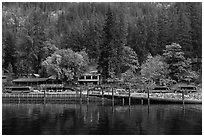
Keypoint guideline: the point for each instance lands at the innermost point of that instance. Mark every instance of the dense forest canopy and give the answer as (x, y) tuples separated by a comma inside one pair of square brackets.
[(34, 31)]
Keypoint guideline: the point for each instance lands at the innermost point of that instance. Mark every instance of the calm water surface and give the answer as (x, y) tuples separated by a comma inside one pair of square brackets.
[(96, 119)]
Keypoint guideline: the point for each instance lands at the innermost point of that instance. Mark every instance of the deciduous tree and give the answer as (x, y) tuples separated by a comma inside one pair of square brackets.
[(154, 68), (66, 64)]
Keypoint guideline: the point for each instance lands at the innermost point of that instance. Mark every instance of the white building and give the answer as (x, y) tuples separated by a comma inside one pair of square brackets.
[(91, 77)]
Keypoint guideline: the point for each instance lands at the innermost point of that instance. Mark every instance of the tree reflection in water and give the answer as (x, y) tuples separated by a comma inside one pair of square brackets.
[(100, 119)]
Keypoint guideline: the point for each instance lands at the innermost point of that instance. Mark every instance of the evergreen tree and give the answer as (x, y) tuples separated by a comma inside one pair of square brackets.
[(184, 29), (195, 15), (130, 60), (141, 40), (177, 63), (106, 48), (93, 37), (119, 41), (114, 40), (31, 41), (9, 51), (163, 23)]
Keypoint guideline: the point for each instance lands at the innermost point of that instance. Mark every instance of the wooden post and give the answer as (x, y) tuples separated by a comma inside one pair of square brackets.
[(112, 95), (18, 99), (75, 95), (183, 100), (113, 106), (123, 101), (148, 109), (142, 101), (102, 95), (148, 99), (44, 97), (80, 96), (129, 96), (87, 95), (129, 110)]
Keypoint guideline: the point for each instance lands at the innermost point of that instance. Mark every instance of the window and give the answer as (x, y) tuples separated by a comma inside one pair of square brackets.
[(161, 88), (88, 77), (95, 77), (82, 77), (188, 88), (20, 89)]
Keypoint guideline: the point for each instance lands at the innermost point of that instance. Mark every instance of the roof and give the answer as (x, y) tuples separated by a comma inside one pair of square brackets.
[(53, 77), (36, 75), (5, 70), (30, 79), (187, 86), (161, 86), (4, 76), (29, 75), (90, 74), (18, 87), (92, 70)]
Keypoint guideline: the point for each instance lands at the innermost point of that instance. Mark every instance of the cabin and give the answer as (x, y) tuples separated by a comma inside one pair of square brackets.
[(7, 77), (5, 74), (90, 77)]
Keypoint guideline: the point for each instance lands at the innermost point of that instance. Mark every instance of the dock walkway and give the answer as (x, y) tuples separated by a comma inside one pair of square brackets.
[(116, 99)]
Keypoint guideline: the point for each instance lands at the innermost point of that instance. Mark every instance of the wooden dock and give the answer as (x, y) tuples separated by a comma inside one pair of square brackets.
[(61, 98), (125, 99), (116, 99)]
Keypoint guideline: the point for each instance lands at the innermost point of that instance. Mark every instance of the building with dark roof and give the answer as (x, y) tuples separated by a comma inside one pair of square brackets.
[(90, 77), (5, 74), (34, 82)]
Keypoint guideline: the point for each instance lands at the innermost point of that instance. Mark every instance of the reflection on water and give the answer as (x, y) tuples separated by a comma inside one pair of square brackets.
[(94, 119)]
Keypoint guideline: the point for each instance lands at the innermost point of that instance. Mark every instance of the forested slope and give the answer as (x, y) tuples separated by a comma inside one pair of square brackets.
[(33, 31)]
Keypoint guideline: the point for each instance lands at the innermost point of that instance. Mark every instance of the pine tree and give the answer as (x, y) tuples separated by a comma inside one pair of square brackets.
[(114, 40), (31, 41), (106, 49), (177, 63), (195, 15), (184, 30), (163, 23), (9, 51), (119, 40)]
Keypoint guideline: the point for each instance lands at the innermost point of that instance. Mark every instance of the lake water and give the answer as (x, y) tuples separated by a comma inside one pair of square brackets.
[(72, 119)]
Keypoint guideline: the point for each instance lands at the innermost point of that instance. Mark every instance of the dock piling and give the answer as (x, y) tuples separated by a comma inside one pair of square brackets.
[(19, 99), (142, 101), (87, 95), (148, 99), (183, 97), (129, 97), (112, 95), (123, 101), (102, 95), (80, 96), (44, 97)]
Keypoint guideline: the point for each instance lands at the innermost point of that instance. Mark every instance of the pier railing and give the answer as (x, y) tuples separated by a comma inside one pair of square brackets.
[(7, 97)]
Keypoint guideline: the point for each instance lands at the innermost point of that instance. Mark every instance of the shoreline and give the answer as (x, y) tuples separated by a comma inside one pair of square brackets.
[(135, 98)]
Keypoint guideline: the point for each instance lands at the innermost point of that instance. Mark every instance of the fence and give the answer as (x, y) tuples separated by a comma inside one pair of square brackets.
[(51, 97)]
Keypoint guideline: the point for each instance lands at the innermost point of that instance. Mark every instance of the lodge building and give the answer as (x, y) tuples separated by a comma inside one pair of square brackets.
[(89, 78), (34, 82)]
